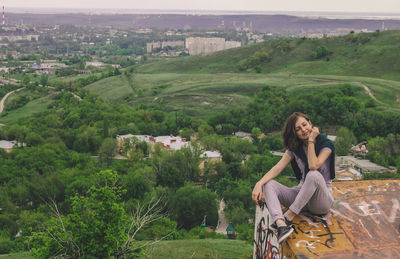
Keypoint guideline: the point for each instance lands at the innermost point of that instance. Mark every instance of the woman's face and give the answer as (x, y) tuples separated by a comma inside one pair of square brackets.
[(303, 128)]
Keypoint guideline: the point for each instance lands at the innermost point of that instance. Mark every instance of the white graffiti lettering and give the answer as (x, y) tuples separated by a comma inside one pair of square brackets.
[(310, 233), (306, 244)]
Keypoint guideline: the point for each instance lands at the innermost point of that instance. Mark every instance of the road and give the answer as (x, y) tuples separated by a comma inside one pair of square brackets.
[(5, 97)]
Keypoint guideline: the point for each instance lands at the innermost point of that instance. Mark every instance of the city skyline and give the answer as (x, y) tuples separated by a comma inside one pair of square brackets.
[(353, 6)]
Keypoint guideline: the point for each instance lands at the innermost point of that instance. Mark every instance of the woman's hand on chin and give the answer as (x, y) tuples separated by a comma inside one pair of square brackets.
[(314, 134)]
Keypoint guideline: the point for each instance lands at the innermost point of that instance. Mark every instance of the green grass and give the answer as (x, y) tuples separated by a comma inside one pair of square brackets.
[(202, 94), (35, 106), (364, 54), (24, 255), (201, 249), (112, 88), (183, 249)]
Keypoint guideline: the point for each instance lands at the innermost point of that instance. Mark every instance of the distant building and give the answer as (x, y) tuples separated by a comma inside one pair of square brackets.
[(151, 46), (210, 156), (360, 148), (19, 37), (167, 142), (5, 69), (121, 139), (47, 67), (94, 64), (144, 31), (7, 145), (200, 45), (171, 142), (362, 165), (244, 135)]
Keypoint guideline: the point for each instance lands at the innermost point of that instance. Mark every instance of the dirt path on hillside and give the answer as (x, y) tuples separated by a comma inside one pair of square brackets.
[(222, 223), (369, 92), (5, 97)]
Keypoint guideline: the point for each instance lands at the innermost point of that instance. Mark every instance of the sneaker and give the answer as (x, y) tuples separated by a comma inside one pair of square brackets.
[(284, 232), (288, 223)]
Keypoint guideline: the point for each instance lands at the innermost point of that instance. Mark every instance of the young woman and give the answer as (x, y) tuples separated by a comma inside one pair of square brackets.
[(312, 158)]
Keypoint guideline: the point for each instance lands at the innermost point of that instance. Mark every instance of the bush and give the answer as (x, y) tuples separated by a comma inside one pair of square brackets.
[(6, 245), (376, 175), (254, 60), (245, 232), (319, 52), (345, 139), (163, 228)]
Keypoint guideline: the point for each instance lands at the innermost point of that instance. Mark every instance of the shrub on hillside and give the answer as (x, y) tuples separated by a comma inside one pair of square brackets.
[(320, 52), (254, 60)]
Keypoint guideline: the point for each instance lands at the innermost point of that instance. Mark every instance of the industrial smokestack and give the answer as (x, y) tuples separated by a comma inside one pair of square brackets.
[(4, 17)]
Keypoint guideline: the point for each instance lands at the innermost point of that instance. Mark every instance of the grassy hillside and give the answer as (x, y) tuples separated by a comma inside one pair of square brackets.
[(364, 54), (201, 85), (35, 106), (201, 94)]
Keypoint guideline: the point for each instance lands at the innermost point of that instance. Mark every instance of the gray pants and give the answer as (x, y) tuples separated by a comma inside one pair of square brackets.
[(313, 195)]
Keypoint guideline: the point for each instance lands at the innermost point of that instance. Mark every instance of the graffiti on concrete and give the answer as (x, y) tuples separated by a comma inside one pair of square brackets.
[(312, 232), (363, 223), (370, 209), (263, 242), (265, 239)]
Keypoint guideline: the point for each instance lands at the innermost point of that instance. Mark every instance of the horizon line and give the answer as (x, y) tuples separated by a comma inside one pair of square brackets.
[(80, 9)]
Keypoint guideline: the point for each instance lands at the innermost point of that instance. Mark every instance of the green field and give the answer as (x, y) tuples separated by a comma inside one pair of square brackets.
[(35, 106), (201, 248), (182, 249), (202, 94), (113, 88), (25, 255)]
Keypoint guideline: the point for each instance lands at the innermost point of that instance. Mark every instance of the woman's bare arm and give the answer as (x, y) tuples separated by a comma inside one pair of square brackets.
[(271, 174)]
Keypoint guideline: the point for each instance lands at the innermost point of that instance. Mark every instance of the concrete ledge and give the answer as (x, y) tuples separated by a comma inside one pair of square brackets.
[(363, 223)]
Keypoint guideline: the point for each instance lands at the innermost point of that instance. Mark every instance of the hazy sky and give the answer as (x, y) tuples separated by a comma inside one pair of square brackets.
[(392, 6)]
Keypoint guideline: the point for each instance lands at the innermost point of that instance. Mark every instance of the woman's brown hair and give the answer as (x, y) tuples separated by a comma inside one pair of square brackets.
[(290, 139)]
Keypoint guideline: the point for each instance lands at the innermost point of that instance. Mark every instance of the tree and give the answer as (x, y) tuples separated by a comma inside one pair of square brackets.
[(191, 204), (44, 79), (94, 229), (344, 140), (108, 150), (97, 227)]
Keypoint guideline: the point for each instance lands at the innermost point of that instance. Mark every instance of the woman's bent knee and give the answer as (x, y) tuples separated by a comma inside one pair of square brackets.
[(314, 176), (270, 185)]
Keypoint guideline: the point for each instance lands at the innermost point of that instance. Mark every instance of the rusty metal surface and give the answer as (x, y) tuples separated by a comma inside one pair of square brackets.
[(363, 223)]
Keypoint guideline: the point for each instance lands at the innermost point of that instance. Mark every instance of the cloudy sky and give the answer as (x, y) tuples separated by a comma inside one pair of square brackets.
[(391, 6)]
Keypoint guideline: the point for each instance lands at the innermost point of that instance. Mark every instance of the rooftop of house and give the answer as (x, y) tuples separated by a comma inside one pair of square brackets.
[(170, 142), (5, 144), (362, 163), (211, 154)]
